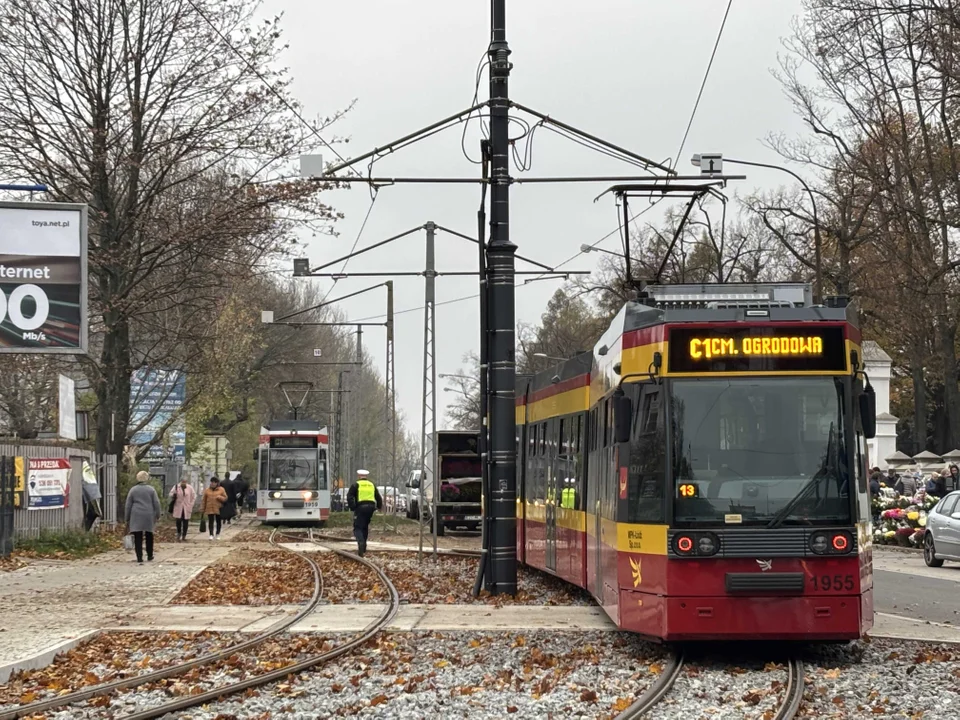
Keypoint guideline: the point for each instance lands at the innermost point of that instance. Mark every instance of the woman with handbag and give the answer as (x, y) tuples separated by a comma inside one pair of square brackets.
[(182, 498), (141, 514), (213, 499)]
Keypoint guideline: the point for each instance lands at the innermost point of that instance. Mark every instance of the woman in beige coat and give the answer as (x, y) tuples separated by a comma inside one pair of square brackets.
[(213, 499)]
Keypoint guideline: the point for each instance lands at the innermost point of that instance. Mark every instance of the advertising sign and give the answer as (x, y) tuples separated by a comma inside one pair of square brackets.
[(67, 409), (48, 483), (156, 396), (43, 277)]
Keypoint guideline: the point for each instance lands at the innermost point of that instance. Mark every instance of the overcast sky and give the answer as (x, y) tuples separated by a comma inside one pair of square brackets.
[(625, 70)]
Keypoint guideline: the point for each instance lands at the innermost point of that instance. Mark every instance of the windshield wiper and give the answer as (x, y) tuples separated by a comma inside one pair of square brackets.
[(814, 482)]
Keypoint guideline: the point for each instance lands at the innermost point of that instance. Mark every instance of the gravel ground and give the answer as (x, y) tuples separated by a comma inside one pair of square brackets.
[(450, 580), (461, 675), (746, 688), (883, 680), (108, 657), (409, 676)]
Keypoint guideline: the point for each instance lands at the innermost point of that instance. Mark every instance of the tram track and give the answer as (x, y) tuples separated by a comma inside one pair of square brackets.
[(370, 631), (51, 704), (661, 687)]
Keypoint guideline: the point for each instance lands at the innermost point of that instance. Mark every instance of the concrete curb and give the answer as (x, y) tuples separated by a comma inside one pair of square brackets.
[(45, 656), (898, 549)]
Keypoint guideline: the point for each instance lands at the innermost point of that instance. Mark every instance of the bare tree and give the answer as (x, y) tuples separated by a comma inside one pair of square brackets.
[(172, 121), (882, 109), (463, 412)]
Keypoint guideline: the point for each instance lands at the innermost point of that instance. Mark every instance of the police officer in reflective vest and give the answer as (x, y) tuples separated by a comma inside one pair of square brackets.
[(568, 495), (363, 499)]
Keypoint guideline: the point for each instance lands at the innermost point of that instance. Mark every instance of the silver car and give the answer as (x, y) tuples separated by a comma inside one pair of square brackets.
[(941, 541)]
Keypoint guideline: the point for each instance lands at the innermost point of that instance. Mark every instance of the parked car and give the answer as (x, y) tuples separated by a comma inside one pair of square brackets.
[(941, 541)]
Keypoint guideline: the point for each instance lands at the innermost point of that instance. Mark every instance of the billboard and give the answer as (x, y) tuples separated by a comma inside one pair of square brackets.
[(48, 483), (43, 277), (156, 396)]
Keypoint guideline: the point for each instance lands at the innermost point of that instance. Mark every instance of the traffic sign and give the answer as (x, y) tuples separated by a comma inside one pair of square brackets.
[(317, 352), (711, 163)]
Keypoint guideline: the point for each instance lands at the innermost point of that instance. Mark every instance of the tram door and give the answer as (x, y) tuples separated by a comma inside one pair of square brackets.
[(553, 493)]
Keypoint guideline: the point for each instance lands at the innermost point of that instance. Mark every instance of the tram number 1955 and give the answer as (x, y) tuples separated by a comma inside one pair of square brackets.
[(832, 582)]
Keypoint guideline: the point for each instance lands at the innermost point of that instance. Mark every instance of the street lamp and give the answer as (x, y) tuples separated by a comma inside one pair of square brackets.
[(458, 377), (549, 357), (817, 242), (591, 248)]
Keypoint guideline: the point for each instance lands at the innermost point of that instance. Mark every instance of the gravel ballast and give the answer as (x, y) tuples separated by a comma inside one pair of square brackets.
[(542, 674)]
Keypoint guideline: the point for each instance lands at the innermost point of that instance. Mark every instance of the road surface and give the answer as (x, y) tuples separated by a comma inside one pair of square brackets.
[(904, 585)]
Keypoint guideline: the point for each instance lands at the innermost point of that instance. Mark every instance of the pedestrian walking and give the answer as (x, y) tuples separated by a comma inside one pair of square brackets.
[(241, 486), (229, 509), (141, 514), (182, 499), (953, 479), (363, 499), (210, 505)]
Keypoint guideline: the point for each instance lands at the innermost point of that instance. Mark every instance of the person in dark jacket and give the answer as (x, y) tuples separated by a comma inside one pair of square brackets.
[(953, 479), (229, 510), (363, 499), (241, 486)]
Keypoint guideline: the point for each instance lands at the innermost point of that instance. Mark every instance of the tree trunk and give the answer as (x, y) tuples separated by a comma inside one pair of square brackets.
[(951, 393), (919, 405), (113, 390)]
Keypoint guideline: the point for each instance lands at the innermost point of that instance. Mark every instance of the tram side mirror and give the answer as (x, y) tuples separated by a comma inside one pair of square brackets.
[(868, 412), (256, 454), (622, 417)]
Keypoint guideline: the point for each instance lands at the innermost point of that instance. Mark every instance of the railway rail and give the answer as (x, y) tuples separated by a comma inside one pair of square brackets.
[(661, 687), (184, 703)]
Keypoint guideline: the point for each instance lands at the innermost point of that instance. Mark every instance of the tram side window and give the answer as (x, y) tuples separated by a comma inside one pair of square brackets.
[(648, 453)]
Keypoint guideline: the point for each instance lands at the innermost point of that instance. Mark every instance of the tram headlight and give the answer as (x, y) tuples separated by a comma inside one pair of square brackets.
[(275, 495), (307, 495), (819, 544), (707, 544)]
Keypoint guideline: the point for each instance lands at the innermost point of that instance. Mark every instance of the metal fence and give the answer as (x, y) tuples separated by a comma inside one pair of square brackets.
[(30, 523)]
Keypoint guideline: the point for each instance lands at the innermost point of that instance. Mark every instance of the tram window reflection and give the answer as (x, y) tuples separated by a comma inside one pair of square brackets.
[(753, 445)]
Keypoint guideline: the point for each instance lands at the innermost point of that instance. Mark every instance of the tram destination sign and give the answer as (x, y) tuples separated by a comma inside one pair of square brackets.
[(43, 277), (757, 349), (293, 442)]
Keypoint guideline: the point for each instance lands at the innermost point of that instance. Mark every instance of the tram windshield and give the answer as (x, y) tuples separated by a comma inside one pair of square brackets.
[(295, 470), (755, 451)]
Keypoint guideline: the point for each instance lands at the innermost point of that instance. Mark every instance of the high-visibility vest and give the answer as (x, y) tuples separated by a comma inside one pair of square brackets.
[(566, 498), (366, 492)]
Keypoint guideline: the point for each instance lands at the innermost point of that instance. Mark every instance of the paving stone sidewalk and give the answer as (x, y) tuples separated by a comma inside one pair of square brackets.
[(50, 602)]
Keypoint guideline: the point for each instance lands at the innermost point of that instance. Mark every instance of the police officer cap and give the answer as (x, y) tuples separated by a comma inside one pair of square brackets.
[(363, 473)]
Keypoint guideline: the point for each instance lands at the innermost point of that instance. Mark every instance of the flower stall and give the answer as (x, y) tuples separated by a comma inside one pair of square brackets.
[(900, 520)]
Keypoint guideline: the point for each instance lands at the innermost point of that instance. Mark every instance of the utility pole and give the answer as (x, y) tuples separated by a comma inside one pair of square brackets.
[(390, 406), (355, 409), (502, 362), (341, 432), (428, 450)]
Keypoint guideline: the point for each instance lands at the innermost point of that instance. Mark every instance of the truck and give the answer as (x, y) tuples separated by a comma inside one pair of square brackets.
[(457, 472)]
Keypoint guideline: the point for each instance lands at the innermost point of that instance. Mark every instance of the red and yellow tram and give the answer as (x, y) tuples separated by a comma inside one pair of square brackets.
[(702, 471)]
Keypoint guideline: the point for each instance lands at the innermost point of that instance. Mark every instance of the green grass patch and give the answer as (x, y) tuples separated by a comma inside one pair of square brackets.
[(69, 545)]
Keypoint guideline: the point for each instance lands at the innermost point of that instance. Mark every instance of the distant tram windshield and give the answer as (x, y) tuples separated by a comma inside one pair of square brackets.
[(295, 470), (746, 449)]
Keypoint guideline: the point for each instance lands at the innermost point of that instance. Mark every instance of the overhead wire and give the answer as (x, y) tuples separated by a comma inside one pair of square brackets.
[(703, 84), (683, 142)]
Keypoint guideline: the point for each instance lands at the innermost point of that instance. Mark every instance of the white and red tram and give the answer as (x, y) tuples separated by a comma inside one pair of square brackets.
[(293, 478)]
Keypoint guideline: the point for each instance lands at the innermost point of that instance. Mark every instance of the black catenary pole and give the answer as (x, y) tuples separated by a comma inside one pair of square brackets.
[(502, 556)]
